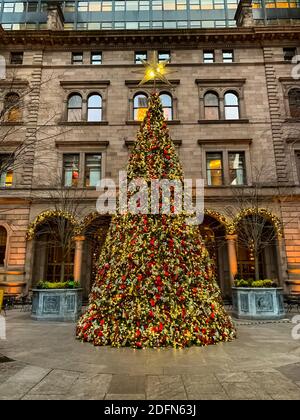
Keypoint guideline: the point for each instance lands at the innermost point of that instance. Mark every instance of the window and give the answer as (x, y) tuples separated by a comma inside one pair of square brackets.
[(164, 56), (32, 6), (12, 7), (71, 170), (140, 106), (12, 107), (214, 169), (6, 174), (227, 56), (83, 6), (208, 56), (16, 58), (298, 163), (77, 58), (167, 105), (231, 102), (139, 56), (294, 103), (119, 6), (289, 53), (3, 240), (211, 106), (92, 169), (96, 58), (237, 170), (94, 108), (69, 6), (74, 108)]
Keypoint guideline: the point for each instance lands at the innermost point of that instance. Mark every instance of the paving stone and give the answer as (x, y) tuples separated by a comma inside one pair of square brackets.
[(244, 391), (90, 387), (125, 384), (125, 397), (199, 389), (291, 371), (58, 382), (165, 388)]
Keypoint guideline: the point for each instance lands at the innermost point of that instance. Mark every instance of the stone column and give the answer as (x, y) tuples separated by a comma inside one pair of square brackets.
[(79, 242), (232, 256)]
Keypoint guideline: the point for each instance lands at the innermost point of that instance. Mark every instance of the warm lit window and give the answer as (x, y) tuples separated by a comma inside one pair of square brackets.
[(6, 174), (16, 58), (237, 170), (139, 56), (140, 106), (92, 169), (294, 103), (94, 6), (69, 6), (169, 5), (77, 58), (106, 6), (231, 103), (208, 56), (94, 108), (71, 170), (289, 53), (96, 58), (227, 56), (74, 108), (164, 56), (12, 108), (211, 106), (167, 105), (214, 169), (207, 4), (3, 240)]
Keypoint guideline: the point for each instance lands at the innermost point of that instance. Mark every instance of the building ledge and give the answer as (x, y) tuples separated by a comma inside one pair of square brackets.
[(171, 122), (240, 121), (83, 123), (222, 141), (130, 143), (11, 123)]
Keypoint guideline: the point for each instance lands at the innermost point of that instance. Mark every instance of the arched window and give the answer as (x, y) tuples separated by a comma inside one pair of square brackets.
[(140, 106), (75, 107), (12, 107), (167, 104), (3, 240), (232, 109), (94, 108), (294, 103), (211, 106)]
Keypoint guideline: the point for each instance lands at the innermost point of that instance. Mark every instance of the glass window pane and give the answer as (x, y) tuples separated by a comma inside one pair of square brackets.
[(71, 170), (214, 169), (165, 100), (95, 101), (237, 168), (92, 169), (94, 115), (231, 99), (75, 101)]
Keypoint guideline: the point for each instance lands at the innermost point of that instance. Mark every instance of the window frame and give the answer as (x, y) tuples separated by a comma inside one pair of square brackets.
[(14, 55), (171, 107), (211, 152), (6, 172), (228, 60), (88, 108), (96, 62), (136, 108), (211, 106), (205, 59), (287, 58), (76, 62), (73, 108), (163, 52), (85, 168), (242, 152), (64, 170), (295, 117), (136, 53), (232, 92), (5, 253)]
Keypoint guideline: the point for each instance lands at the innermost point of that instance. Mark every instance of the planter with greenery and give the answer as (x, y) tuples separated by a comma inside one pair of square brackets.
[(60, 301), (257, 299)]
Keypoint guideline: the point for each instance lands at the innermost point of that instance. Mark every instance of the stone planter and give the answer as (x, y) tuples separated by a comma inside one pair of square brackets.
[(257, 302), (56, 304)]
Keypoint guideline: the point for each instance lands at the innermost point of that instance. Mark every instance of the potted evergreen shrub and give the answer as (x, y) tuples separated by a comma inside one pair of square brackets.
[(257, 299), (61, 301)]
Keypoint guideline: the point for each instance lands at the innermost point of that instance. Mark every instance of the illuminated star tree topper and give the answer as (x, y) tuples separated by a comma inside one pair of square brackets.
[(155, 70)]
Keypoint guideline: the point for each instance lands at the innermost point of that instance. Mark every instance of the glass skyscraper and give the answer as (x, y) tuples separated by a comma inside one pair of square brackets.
[(139, 14)]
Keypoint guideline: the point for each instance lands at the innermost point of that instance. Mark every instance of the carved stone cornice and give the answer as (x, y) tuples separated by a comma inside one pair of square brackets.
[(179, 38)]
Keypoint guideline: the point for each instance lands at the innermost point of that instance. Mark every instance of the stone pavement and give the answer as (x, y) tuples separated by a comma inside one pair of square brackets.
[(44, 361)]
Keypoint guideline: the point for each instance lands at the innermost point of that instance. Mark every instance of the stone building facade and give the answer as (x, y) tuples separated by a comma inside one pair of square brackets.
[(233, 109)]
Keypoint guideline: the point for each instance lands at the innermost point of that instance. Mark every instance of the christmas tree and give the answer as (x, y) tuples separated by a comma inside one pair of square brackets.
[(155, 285)]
